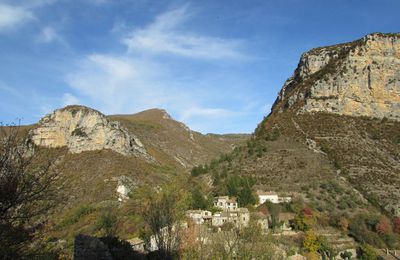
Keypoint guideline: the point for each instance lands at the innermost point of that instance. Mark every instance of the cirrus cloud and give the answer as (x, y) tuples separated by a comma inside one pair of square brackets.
[(13, 16), (136, 79), (166, 36)]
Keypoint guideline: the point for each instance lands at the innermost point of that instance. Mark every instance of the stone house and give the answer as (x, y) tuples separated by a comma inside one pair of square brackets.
[(239, 217), (286, 220), (199, 216), (220, 218), (169, 236), (225, 203), (262, 221)]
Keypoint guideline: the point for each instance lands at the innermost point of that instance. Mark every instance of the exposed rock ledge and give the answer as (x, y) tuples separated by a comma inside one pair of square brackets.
[(83, 129), (360, 78)]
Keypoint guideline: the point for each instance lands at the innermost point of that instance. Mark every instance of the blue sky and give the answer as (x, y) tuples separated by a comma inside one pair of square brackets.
[(215, 65)]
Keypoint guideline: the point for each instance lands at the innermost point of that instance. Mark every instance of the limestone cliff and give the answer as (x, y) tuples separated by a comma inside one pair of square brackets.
[(343, 104), (83, 129), (360, 78)]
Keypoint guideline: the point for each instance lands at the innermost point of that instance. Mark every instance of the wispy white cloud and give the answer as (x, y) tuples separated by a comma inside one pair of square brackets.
[(166, 36), (116, 84), (13, 16), (117, 68), (49, 34), (136, 79)]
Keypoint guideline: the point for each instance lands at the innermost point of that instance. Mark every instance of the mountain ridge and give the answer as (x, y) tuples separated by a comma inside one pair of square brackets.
[(358, 78), (304, 146)]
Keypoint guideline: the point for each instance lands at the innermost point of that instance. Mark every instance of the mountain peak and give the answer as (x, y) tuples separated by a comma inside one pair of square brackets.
[(81, 128), (76, 108), (153, 114), (359, 78), (158, 112)]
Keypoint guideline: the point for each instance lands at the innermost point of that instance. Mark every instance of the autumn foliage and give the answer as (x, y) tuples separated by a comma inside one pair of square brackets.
[(384, 226), (396, 225), (307, 212)]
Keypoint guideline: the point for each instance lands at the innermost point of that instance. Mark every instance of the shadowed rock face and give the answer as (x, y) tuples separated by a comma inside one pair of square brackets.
[(360, 78), (83, 129), (90, 248)]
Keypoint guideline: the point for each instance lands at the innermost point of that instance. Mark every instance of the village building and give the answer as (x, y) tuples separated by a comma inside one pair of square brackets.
[(199, 216), (239, 217), (169, 235), (272, 197), (220, 218), (267, 196), (286, 219), (262, 220), (284, 199), (225, 203)]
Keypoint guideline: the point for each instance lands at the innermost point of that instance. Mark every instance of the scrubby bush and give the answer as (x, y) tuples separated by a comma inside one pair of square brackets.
[(366, 252), (107, 223), (79, 132), (346, 255), (199, 201), (396, 225), (76, 215), (383, 227), (241, 187), (199, 170), (362, 228)]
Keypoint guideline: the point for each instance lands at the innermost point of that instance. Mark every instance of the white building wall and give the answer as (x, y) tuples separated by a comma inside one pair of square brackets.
[(226, 204), (272, 198)]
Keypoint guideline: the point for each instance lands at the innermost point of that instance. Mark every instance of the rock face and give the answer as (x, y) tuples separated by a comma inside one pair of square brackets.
[(83, 129), (360, 78), (337, 104)]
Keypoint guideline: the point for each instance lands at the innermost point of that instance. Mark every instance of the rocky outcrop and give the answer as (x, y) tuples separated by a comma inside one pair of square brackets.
[(83, 129), (360, 78)]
